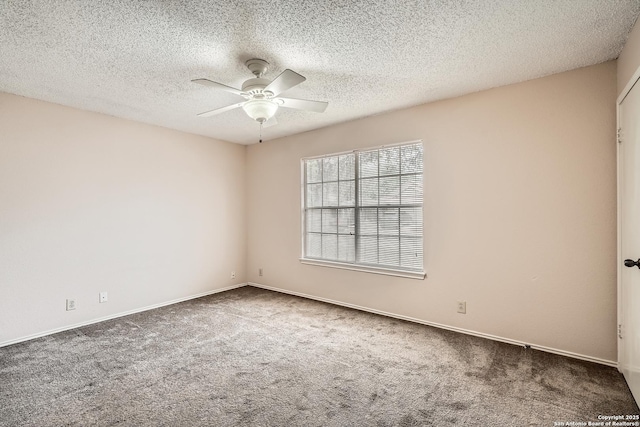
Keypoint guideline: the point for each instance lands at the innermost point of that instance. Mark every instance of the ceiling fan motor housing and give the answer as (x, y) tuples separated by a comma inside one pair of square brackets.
[(255, 88)]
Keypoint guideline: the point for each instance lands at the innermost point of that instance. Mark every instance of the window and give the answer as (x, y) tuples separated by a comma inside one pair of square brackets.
[(363, 210)]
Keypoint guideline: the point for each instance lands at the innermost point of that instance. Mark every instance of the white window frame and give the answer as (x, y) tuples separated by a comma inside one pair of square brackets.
[(369, 268)]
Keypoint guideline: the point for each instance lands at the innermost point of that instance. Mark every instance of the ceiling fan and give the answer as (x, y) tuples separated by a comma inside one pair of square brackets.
[(262, 95)]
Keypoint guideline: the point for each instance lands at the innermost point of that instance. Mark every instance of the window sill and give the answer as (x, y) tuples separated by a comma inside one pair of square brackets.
[(419, 275)]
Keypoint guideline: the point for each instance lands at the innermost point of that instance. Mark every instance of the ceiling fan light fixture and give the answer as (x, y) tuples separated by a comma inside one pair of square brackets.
[(260, 110), (262, 96)]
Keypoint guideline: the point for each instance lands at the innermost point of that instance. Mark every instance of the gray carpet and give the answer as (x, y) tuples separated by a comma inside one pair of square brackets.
[(251, 357)]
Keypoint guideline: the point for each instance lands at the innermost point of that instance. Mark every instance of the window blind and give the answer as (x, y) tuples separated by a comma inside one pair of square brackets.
[(365, 207)]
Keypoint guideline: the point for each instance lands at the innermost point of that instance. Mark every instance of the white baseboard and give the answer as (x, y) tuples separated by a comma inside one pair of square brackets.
[(441, 326), (114, 316), (317, 298)]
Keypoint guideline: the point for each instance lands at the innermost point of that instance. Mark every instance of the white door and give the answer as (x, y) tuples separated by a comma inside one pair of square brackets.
[(629, 233)]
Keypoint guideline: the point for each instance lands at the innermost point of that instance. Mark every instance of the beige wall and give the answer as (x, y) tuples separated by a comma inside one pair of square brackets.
[(92, 203), (629, 59), (520, 212)]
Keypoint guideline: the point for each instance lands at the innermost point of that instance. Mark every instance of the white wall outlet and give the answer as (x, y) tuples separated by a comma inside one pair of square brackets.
[(103, 297), (71, 304), (462, 307), (233, 275), (259, 272)]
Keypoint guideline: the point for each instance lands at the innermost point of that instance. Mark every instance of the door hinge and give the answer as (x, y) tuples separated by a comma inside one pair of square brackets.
[(620, 331), (619, 135)]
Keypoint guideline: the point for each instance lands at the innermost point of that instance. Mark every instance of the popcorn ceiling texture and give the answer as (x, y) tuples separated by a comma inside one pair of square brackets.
[(136, 59)]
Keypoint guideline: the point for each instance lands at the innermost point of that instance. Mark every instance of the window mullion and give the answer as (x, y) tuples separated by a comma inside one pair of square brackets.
[(356, 167), (322, 211), (399, 244), (378, 210)]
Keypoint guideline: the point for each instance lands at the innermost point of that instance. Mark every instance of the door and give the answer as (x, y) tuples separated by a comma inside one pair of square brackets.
[(629, 235)]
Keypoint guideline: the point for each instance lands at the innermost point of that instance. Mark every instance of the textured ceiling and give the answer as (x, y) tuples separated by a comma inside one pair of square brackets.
[(135, 59)]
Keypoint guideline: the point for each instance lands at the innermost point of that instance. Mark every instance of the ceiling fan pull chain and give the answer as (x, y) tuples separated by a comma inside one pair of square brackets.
[(260, 132)]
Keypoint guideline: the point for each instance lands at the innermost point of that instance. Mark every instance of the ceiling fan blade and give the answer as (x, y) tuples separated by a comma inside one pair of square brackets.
[(220, 110), (217, 85), (304, 104), (285, 81), (271, 122)]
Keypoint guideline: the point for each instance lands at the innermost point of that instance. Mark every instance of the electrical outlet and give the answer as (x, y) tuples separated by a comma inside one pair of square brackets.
[(103, 297), (233, 275), (462, 307), (259, 272), (71, 304)]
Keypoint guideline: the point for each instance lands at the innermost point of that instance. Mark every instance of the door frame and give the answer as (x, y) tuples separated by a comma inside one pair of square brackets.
[(630, 84)]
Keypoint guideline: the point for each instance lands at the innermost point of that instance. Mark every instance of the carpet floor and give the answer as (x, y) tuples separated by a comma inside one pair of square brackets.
[(251, 357)]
